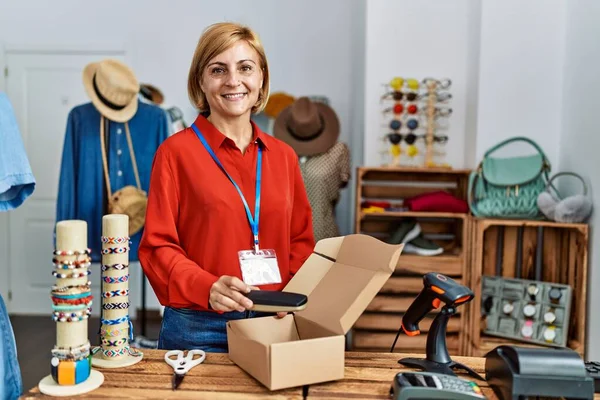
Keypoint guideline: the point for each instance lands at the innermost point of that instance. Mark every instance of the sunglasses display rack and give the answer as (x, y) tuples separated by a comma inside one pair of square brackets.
[(529, 311), (414, 112)]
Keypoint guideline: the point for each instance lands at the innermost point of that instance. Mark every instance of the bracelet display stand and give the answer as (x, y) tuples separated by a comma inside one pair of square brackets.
[(71, 372), (116, 329)]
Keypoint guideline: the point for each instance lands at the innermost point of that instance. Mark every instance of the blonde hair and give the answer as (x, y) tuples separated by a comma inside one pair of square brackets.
[(214, 40)]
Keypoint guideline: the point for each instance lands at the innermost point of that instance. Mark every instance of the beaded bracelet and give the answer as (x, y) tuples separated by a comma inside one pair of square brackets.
[(76, 307), (84, 300), (69, 319), (72, 252), (115, 250), (116, 279), (85, 263), (72, 275), (114, 240), (114, 266), (115, 306), (60, 289), (113, 332), (115, 293), (71, 296), (114, 343), (72, 314)]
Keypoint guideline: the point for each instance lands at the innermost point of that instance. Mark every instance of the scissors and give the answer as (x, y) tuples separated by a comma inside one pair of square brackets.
[(182, 364)]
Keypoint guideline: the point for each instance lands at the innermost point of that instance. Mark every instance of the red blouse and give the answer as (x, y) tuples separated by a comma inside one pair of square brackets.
[(196, 221)]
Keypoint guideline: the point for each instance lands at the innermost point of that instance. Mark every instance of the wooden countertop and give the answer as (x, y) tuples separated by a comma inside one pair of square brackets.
[(368, 376)]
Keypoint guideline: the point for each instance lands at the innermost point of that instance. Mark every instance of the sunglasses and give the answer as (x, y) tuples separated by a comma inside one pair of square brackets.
[(396, 138), (441, 83), (411, 124), (397, 83), (398, 95), (414, 109), (411, 138)]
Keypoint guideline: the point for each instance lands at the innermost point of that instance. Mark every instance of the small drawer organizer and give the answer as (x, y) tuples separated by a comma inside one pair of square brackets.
[(528, 311)]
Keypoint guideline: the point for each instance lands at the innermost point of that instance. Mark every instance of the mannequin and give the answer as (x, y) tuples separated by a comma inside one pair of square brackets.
[(82, 193), (312, 129), (153, 95)]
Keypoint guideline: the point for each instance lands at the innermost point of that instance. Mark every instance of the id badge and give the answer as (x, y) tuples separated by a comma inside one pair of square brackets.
[(259, 268)]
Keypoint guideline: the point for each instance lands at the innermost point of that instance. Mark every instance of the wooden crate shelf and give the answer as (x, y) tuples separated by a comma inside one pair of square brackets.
[(385, 322), (409, 214), (565, 261), (376, 328)]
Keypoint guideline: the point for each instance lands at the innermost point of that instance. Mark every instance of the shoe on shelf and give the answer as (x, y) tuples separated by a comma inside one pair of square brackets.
[(422, 247), (407, 230)]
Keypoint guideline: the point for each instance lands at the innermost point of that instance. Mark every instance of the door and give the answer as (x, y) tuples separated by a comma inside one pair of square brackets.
[(42, 87)]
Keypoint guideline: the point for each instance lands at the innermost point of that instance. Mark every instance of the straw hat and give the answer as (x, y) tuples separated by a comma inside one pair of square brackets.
[(113, 88), (309, 127)]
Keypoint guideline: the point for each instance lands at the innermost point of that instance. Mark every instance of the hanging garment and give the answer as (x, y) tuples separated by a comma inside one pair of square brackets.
[(324, 175), (16, 185), (16, 179), (81, 190)]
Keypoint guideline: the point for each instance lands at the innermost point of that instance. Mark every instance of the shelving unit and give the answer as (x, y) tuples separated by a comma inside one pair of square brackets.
[(565, 261), (376, 328)]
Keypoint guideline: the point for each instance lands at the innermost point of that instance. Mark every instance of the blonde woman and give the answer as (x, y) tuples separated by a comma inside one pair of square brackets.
[(221, 189)]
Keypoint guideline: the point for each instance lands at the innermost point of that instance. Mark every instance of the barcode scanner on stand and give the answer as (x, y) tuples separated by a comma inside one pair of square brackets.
[(437, 289)]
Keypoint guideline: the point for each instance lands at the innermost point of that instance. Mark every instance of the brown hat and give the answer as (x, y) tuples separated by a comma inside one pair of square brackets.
[(309, 127), (113, 88), (152, 93)]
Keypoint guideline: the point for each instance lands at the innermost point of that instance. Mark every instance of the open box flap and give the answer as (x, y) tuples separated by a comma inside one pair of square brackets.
[(338, 292)]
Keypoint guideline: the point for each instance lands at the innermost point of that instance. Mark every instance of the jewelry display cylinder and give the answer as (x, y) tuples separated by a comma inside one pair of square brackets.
[(115, 283), (71, 303), (116, 329)]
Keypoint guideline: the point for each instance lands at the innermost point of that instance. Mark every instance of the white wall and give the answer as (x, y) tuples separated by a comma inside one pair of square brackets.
[(418, 39), (520, 74), (580, 136), (311, 45)]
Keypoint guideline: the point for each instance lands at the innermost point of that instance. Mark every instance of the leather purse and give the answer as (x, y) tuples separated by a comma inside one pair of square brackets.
[(509, 187), (129, 200)]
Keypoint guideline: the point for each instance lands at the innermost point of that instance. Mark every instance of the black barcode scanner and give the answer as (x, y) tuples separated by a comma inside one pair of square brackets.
[(275, 301), (437, 289)]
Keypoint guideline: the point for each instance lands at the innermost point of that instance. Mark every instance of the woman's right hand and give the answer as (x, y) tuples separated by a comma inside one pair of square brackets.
[(226, 295)]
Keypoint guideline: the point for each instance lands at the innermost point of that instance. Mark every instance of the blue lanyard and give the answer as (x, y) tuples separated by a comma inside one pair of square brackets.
[(253, 221)]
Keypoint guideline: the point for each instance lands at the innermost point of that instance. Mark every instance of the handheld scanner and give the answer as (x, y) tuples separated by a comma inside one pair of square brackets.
[(437, 288)]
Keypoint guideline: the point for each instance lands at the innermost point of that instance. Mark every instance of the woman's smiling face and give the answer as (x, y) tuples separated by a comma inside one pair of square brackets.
[(232, 81)]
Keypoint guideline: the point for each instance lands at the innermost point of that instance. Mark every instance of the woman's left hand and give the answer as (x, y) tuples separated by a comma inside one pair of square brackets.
[(282, 314)]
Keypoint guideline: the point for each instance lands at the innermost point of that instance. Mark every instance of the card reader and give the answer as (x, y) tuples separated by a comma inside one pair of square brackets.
[(429, 385)]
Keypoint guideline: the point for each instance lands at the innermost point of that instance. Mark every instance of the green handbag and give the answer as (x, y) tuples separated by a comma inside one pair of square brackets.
[(508, 187)]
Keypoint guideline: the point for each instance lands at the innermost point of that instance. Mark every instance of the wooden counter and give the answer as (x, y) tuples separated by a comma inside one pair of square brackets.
[(368, 376)]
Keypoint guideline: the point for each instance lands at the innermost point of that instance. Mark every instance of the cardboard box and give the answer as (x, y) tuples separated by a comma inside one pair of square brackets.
[(340, 278)]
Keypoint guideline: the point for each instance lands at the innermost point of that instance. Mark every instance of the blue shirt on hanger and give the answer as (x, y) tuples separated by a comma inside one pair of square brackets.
[(16, 185), (16, 179), (81, 190)]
